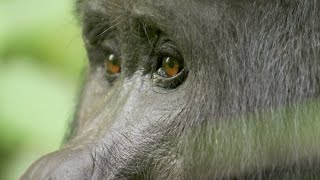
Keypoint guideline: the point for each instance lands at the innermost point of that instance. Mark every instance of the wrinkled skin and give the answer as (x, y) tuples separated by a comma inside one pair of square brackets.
[(244, 106)]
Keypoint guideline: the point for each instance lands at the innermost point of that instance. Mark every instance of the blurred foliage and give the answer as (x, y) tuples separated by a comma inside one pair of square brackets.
[(41, 57)]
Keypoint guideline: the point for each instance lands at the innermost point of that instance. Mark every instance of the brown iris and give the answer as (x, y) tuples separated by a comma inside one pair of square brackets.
[(113, 64), (171, 66)]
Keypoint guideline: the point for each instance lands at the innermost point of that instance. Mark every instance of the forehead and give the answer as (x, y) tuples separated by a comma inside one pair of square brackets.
[(146, 3), (175, 17), (154, 8)]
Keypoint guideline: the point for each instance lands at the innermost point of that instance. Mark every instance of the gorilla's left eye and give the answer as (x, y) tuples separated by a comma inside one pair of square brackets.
[(170, 67), (170, 71), (112, 64)]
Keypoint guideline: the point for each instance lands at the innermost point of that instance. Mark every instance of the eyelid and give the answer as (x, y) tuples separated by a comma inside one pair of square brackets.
[(110, 46), (171, 82), (168, 49)]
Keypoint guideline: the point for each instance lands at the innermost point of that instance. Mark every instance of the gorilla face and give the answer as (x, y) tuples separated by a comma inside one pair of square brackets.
[(195, 89)]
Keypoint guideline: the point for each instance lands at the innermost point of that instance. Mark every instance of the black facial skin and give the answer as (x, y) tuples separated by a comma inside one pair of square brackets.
[(243, 106)]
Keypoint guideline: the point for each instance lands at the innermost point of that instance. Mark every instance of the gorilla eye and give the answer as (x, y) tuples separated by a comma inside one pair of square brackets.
[(112, 64), (170, 71), (170, 67)]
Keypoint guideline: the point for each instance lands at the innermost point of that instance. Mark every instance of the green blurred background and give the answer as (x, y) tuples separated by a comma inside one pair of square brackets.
[(41, 57)]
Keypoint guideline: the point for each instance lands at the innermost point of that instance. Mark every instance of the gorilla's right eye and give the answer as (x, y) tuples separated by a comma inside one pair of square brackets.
[(112, 64)]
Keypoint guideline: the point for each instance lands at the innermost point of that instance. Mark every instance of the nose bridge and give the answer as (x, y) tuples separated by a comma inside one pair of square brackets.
[(67, 164)]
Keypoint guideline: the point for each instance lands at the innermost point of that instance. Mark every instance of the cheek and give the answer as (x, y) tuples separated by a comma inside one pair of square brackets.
[(132, 105), (144, 104), (137, 104), (93, 96)]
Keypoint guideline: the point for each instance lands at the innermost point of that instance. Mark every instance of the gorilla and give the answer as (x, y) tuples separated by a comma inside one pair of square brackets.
[(194, 89)]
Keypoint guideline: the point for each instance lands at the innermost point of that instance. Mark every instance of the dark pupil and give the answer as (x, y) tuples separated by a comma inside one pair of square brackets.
[(113, 59), (170, 62)]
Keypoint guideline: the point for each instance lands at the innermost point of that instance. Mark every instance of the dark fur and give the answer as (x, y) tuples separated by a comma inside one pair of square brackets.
[(253, 70)]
